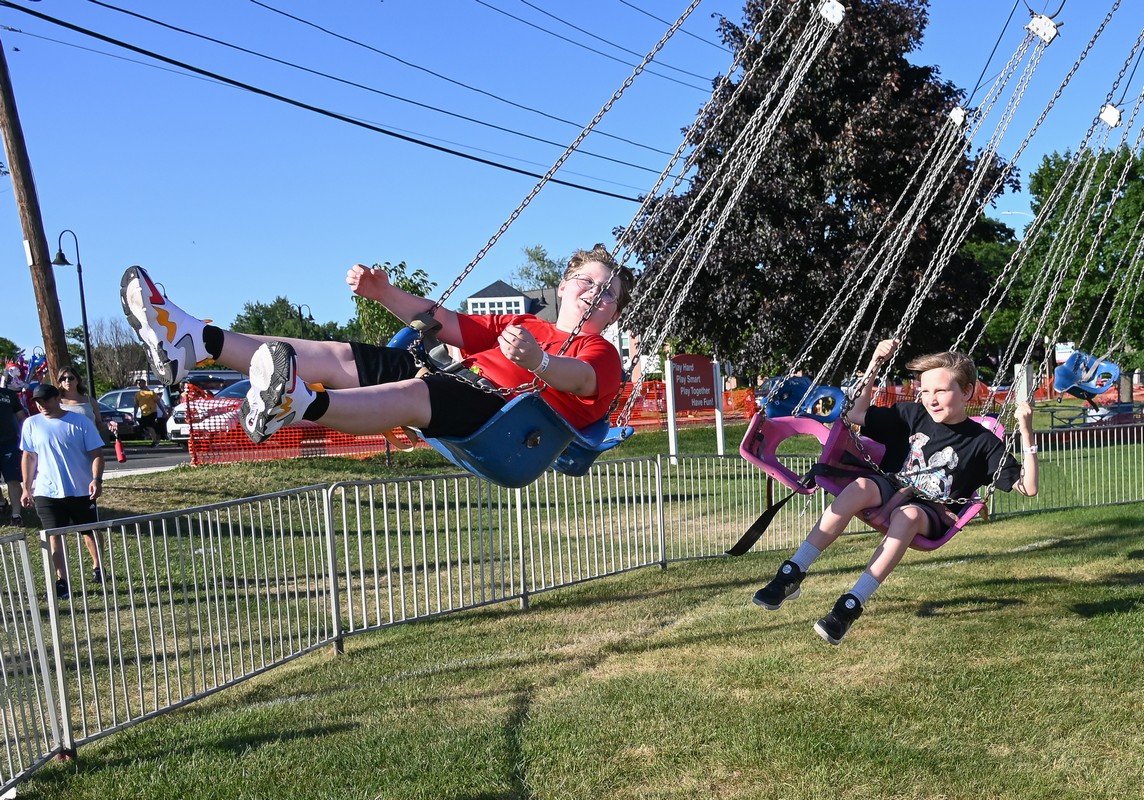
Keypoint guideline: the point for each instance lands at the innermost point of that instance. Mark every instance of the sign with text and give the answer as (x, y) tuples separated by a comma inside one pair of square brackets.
[(693, 383)]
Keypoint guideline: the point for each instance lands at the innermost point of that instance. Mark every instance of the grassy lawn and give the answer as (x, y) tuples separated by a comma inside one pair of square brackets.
[(1005, 665)]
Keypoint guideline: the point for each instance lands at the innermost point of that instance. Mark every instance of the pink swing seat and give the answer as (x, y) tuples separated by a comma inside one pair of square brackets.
[(765, 434), (844, 463), (840, 452)]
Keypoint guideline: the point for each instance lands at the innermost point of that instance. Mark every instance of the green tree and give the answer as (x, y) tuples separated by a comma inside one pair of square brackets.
[(1091, 321), (860, 125), (8, 350), (538, 271), (373, 322), (284, 319)]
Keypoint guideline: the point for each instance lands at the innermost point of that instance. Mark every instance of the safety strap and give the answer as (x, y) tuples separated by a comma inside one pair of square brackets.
[(760, 525)]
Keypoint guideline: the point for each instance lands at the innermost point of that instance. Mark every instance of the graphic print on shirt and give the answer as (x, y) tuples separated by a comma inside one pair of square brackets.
[(932, 478)]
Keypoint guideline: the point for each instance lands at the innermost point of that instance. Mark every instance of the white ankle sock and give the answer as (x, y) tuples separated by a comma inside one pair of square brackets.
[(805, 555), (866, 586)]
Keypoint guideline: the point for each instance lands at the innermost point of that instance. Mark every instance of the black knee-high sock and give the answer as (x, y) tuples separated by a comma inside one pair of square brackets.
[(318, 406), (212, 340)]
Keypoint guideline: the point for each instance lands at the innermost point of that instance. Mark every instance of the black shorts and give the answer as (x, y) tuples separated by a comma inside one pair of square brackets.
[(940, 517), (457, 408), (149, 422), (63, 512)]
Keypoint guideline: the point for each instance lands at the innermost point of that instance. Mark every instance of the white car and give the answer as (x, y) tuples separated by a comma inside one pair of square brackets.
[(216, 413)]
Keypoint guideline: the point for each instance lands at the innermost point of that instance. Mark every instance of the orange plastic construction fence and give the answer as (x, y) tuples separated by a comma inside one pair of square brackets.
[(216, 435)]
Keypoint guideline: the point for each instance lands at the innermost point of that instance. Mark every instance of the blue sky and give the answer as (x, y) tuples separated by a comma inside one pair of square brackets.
[(229, 197)]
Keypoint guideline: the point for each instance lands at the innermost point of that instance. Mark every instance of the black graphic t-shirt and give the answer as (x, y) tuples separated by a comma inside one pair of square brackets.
[(948, 461)]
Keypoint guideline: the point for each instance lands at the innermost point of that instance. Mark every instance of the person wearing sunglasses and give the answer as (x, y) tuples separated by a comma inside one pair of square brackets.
[(73, 396), (365, 389)]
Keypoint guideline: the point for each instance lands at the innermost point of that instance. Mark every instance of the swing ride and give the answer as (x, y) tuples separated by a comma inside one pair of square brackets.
[(845, 454), (526, 436)]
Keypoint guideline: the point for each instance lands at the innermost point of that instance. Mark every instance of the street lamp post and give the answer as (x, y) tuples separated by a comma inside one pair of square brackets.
[(302, 320), (61, 261)]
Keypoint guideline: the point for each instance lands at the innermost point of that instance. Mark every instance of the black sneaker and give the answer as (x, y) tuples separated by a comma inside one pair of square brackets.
[(784, 587), (97, 576), (833, 626), (62, 589)]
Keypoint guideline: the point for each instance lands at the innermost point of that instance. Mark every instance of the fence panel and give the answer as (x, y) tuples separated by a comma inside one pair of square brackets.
[(1080, 467), (28, 710), (417, 548), (199, 599), (190, 602)]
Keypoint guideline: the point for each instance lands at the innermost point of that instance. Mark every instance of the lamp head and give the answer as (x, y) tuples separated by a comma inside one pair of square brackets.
[(61, 260)]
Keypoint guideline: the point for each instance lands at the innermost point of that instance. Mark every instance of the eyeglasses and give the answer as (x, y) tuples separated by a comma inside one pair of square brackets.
[(585, 283), (69, 378)]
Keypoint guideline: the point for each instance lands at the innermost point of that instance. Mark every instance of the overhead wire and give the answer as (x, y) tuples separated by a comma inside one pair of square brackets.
[(184, 74), (608, 42), (364, 87), (454, 81), (647, 13), (992, 53), (586, 47), (303, 105)]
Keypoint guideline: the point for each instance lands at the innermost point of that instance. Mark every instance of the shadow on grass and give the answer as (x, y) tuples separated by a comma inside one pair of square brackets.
[(1124, 606), (976, 604)]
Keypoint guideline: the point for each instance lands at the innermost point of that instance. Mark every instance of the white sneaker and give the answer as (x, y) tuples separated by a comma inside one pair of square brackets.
[(172, 337), (276, 397)]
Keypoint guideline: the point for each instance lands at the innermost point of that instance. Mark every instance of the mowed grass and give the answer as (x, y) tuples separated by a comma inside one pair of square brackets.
[(1005, 665)]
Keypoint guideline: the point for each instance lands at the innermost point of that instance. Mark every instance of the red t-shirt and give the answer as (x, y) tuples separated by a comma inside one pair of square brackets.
[(479, 333)]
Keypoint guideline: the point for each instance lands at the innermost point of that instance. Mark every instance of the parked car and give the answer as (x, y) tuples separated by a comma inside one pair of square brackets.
[(216, 413), (123, 400), (125, 423)]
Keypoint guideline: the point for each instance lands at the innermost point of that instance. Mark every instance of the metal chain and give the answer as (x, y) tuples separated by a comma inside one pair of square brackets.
[(566, 155)]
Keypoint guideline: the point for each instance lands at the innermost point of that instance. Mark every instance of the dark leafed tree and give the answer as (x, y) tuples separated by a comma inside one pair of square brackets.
[(862, 122)]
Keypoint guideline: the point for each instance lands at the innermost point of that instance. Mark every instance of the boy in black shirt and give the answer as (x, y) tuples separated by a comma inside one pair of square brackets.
[(939, 455)]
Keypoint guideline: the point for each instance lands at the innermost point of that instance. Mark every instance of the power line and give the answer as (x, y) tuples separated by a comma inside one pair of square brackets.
[(364, 87), (299, 104), (562, 21), (184, 74), (684, 31), (453, 81), (585, 47)]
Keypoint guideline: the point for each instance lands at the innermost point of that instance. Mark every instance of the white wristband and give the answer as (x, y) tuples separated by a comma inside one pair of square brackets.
[(543, 365), (1031, 450)]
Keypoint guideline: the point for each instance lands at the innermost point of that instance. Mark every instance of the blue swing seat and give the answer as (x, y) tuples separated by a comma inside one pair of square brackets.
[(789, 400), (524, 438), (1085, 376)]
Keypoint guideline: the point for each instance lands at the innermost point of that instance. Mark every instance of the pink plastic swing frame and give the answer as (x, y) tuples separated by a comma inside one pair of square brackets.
[(764, 435)]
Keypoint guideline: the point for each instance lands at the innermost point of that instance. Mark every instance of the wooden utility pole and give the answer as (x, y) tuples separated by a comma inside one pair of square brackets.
[(35, 243)]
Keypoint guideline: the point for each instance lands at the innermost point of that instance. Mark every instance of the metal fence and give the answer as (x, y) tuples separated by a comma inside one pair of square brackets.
[(197, 600)]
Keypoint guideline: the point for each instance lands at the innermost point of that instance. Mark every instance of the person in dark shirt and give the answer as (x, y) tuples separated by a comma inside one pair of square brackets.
[(12, 414), (935, 456)]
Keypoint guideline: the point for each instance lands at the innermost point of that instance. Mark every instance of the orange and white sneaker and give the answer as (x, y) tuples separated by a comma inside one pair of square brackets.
[(172, 337), (277, 397)]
